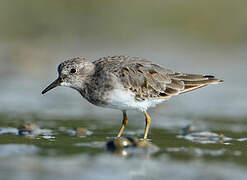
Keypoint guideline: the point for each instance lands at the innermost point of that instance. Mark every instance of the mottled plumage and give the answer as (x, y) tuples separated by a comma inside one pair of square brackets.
[(125, 83)]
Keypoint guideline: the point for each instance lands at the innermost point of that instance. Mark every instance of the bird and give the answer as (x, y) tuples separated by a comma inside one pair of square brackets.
[(126, 83)]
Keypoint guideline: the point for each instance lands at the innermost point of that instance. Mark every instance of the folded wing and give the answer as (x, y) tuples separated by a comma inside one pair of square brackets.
[(148, 80)]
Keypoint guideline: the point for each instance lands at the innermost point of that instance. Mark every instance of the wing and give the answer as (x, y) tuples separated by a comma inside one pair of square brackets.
[(149, 80)]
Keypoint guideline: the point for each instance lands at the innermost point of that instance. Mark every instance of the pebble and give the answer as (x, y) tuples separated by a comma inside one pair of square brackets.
[(130, 146)]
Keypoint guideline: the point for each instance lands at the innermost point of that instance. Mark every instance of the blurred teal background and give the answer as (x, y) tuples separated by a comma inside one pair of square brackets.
[(191, 36)]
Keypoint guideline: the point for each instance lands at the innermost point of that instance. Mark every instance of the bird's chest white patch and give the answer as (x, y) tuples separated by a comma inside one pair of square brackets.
[(125, 100)]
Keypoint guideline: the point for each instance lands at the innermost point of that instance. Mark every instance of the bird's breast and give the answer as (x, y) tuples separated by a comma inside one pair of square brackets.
[(123, 99)]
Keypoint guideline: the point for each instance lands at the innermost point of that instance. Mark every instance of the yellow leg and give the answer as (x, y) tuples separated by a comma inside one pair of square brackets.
[(124, 123), (148, 121)]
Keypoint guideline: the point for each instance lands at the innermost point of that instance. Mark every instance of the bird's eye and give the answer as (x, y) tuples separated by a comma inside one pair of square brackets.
[(72, 71)]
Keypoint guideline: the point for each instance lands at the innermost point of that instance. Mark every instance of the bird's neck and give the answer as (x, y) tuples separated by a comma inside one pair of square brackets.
[(85, 86)]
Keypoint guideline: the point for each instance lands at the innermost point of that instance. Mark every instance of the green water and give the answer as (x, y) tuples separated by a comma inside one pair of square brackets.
[(62, 143), (61, 154)]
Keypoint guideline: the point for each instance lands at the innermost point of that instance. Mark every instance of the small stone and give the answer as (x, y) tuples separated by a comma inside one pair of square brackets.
[(187, 129), (119, 143), (142, 144), (26, 129), (130, 146), (81, 131)]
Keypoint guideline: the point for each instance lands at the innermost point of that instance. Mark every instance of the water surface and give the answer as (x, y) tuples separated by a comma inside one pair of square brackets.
[(58, 153)]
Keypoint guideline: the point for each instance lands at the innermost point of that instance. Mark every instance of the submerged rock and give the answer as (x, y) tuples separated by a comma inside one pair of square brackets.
[(187, 129), (32, 130), (131, 146), (79, 131), (203, 137), (82, 132), (28, 128)]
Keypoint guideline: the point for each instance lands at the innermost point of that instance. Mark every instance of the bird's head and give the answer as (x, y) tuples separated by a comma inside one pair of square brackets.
[(72, 73)]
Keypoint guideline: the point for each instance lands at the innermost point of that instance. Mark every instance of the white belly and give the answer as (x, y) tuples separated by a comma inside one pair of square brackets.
[(125, 100)]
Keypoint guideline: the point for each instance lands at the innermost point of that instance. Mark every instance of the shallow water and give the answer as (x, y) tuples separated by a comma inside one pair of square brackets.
[(214, 149), (56, 152)]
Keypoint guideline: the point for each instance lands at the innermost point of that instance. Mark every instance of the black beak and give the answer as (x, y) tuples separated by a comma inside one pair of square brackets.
[(56, 83)]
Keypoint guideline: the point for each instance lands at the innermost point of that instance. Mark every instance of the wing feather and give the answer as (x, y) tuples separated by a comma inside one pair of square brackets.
[(149, 80)]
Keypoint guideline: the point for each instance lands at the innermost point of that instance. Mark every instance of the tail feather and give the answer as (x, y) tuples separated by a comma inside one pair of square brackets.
[(194, 81)]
